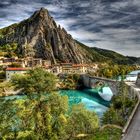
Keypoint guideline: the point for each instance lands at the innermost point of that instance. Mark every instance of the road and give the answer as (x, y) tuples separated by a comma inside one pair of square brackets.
[(133, 132)]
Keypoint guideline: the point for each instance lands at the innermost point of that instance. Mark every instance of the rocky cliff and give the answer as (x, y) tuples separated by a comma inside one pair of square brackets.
[(39, 36)]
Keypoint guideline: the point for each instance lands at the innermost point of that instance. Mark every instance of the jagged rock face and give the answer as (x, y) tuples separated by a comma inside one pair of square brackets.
[(40, 37)]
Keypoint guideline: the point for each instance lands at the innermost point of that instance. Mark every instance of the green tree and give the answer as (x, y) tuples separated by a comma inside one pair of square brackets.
[(35, 81), (36, 120), (49, 117), (71, 81), (9, 49), (112, 116), (81, 121), (10, 121)]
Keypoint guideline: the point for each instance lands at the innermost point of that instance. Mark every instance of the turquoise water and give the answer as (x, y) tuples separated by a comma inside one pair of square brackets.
[(89, 97)]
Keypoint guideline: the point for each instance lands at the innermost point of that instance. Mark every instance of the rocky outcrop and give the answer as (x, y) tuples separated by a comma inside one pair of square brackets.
[(39, 36)]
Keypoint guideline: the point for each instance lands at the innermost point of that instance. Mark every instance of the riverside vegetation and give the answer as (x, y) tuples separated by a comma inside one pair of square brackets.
[(44, 115), (70, 81), (113, 71)]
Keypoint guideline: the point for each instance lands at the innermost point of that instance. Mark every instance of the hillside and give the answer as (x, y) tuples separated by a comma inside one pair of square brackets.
[(115, 57), (103, 55)]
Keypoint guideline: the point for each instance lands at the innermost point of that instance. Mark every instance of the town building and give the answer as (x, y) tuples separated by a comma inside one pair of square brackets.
[(79, 68), (24, 62), (7, 61), (11, 71), (30, 62), (57, 69), (36, 62), (92, 68), (70, 68), (66, 68)]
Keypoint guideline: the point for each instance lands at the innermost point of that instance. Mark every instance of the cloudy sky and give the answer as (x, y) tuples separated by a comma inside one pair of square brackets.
[(108, 24)]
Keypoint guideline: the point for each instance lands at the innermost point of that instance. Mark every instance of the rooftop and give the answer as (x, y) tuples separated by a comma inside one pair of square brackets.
[(16, 69)]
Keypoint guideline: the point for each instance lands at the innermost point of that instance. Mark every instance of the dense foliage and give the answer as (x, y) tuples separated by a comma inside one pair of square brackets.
[(46, 118), (107, 133), (4, 87), (2, 75), (9, 50), (35, 81), (70, 81), (113, 71)]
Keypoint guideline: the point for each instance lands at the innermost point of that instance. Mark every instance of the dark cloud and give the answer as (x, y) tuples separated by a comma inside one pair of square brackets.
[(110, 24)]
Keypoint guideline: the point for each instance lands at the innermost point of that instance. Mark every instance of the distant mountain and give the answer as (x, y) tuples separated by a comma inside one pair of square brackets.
[(103, 55), (115, 57), (40, 37)]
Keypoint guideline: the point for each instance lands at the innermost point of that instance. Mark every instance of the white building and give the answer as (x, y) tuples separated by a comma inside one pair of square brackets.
[(11, 71)]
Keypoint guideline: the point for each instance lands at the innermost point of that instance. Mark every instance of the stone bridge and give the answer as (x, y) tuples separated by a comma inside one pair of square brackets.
[(92, 81)]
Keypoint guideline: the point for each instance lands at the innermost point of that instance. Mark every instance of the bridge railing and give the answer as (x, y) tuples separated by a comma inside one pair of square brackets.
[(102, 78)]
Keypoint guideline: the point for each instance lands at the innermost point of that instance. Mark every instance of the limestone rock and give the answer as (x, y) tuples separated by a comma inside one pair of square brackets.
[(39, 36)]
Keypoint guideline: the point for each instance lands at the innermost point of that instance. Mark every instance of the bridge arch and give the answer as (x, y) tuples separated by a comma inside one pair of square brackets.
[(92, 81)]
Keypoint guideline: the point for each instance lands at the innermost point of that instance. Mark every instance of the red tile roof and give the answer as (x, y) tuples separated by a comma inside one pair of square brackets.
[(16, 69)]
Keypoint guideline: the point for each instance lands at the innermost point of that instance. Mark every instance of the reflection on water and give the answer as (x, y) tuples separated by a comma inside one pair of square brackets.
[(106, 93)]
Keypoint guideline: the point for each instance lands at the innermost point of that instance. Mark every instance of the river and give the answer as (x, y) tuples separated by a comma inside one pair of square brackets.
[(89, 97)]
